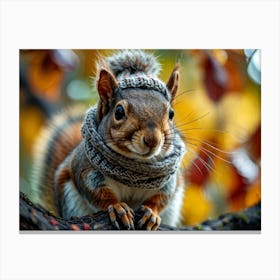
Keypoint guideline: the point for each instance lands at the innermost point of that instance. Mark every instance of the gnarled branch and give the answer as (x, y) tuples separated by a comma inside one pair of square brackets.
[(35, 217)]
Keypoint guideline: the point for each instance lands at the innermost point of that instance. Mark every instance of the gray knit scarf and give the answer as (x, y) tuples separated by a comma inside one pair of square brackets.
[(131, 172)]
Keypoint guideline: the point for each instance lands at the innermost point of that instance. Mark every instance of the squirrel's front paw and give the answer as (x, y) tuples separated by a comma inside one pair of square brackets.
[(150, 220), (123, 212)]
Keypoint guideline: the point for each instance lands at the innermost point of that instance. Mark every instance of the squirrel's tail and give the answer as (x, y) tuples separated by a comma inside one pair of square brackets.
[(57, 140), (131, 62)]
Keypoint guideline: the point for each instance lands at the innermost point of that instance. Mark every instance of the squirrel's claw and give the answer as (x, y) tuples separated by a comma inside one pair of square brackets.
[(124, 213), (113, 217), (151, 219)]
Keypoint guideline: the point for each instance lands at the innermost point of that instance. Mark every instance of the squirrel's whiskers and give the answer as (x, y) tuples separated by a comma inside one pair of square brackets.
[(122, 154)]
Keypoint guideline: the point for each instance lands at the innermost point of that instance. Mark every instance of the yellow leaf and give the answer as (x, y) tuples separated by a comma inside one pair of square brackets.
[(253, 194), (197, 207), (240, 116)]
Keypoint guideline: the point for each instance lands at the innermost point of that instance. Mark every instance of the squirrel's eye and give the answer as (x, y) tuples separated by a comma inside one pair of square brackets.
[(171, 114), (119, 113)]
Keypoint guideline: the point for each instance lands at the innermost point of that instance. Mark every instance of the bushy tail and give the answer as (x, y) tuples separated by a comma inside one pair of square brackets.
[(131, 62), (56, 141)]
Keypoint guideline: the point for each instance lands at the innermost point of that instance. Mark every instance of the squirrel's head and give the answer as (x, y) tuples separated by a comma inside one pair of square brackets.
[(136, 122)]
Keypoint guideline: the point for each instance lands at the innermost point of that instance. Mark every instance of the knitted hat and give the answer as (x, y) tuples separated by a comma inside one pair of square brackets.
[(137, 69)]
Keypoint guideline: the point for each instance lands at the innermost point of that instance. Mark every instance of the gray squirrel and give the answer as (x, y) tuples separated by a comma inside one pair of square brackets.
[(122, 154)]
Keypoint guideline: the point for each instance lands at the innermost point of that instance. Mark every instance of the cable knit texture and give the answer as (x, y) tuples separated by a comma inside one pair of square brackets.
[(132, 69), (137, 69), (153, 174)]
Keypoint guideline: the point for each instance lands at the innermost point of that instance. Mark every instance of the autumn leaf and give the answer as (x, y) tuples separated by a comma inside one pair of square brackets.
[(215, 77)]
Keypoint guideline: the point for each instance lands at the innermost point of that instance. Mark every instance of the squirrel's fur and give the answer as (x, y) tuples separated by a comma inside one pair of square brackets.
[(60, 136), (136, 123)]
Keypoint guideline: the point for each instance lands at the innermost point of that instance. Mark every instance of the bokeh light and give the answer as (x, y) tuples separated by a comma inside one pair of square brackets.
[(217, 110)]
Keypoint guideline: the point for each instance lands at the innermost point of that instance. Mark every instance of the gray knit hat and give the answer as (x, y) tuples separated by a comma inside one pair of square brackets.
[(137, 69)]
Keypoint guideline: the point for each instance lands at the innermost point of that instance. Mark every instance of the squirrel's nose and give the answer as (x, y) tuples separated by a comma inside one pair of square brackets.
[(150, 141), (152, 135)]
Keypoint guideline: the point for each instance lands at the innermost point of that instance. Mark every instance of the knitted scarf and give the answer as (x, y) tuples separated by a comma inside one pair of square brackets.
[(131, 172)]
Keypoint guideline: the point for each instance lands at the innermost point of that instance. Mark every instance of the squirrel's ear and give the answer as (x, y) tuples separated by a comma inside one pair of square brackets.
[(173, 82), (106, 85)]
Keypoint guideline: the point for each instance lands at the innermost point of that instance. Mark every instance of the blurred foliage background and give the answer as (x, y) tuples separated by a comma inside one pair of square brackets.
[(217, 109)]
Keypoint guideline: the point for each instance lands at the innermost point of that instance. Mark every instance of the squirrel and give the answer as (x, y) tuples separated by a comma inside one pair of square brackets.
[(123, 154)]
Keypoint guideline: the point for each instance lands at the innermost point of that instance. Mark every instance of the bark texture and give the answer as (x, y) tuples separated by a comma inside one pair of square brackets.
[(35, 217)]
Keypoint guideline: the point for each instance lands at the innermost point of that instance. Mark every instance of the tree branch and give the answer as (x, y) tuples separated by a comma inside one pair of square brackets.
[(35, 217)]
